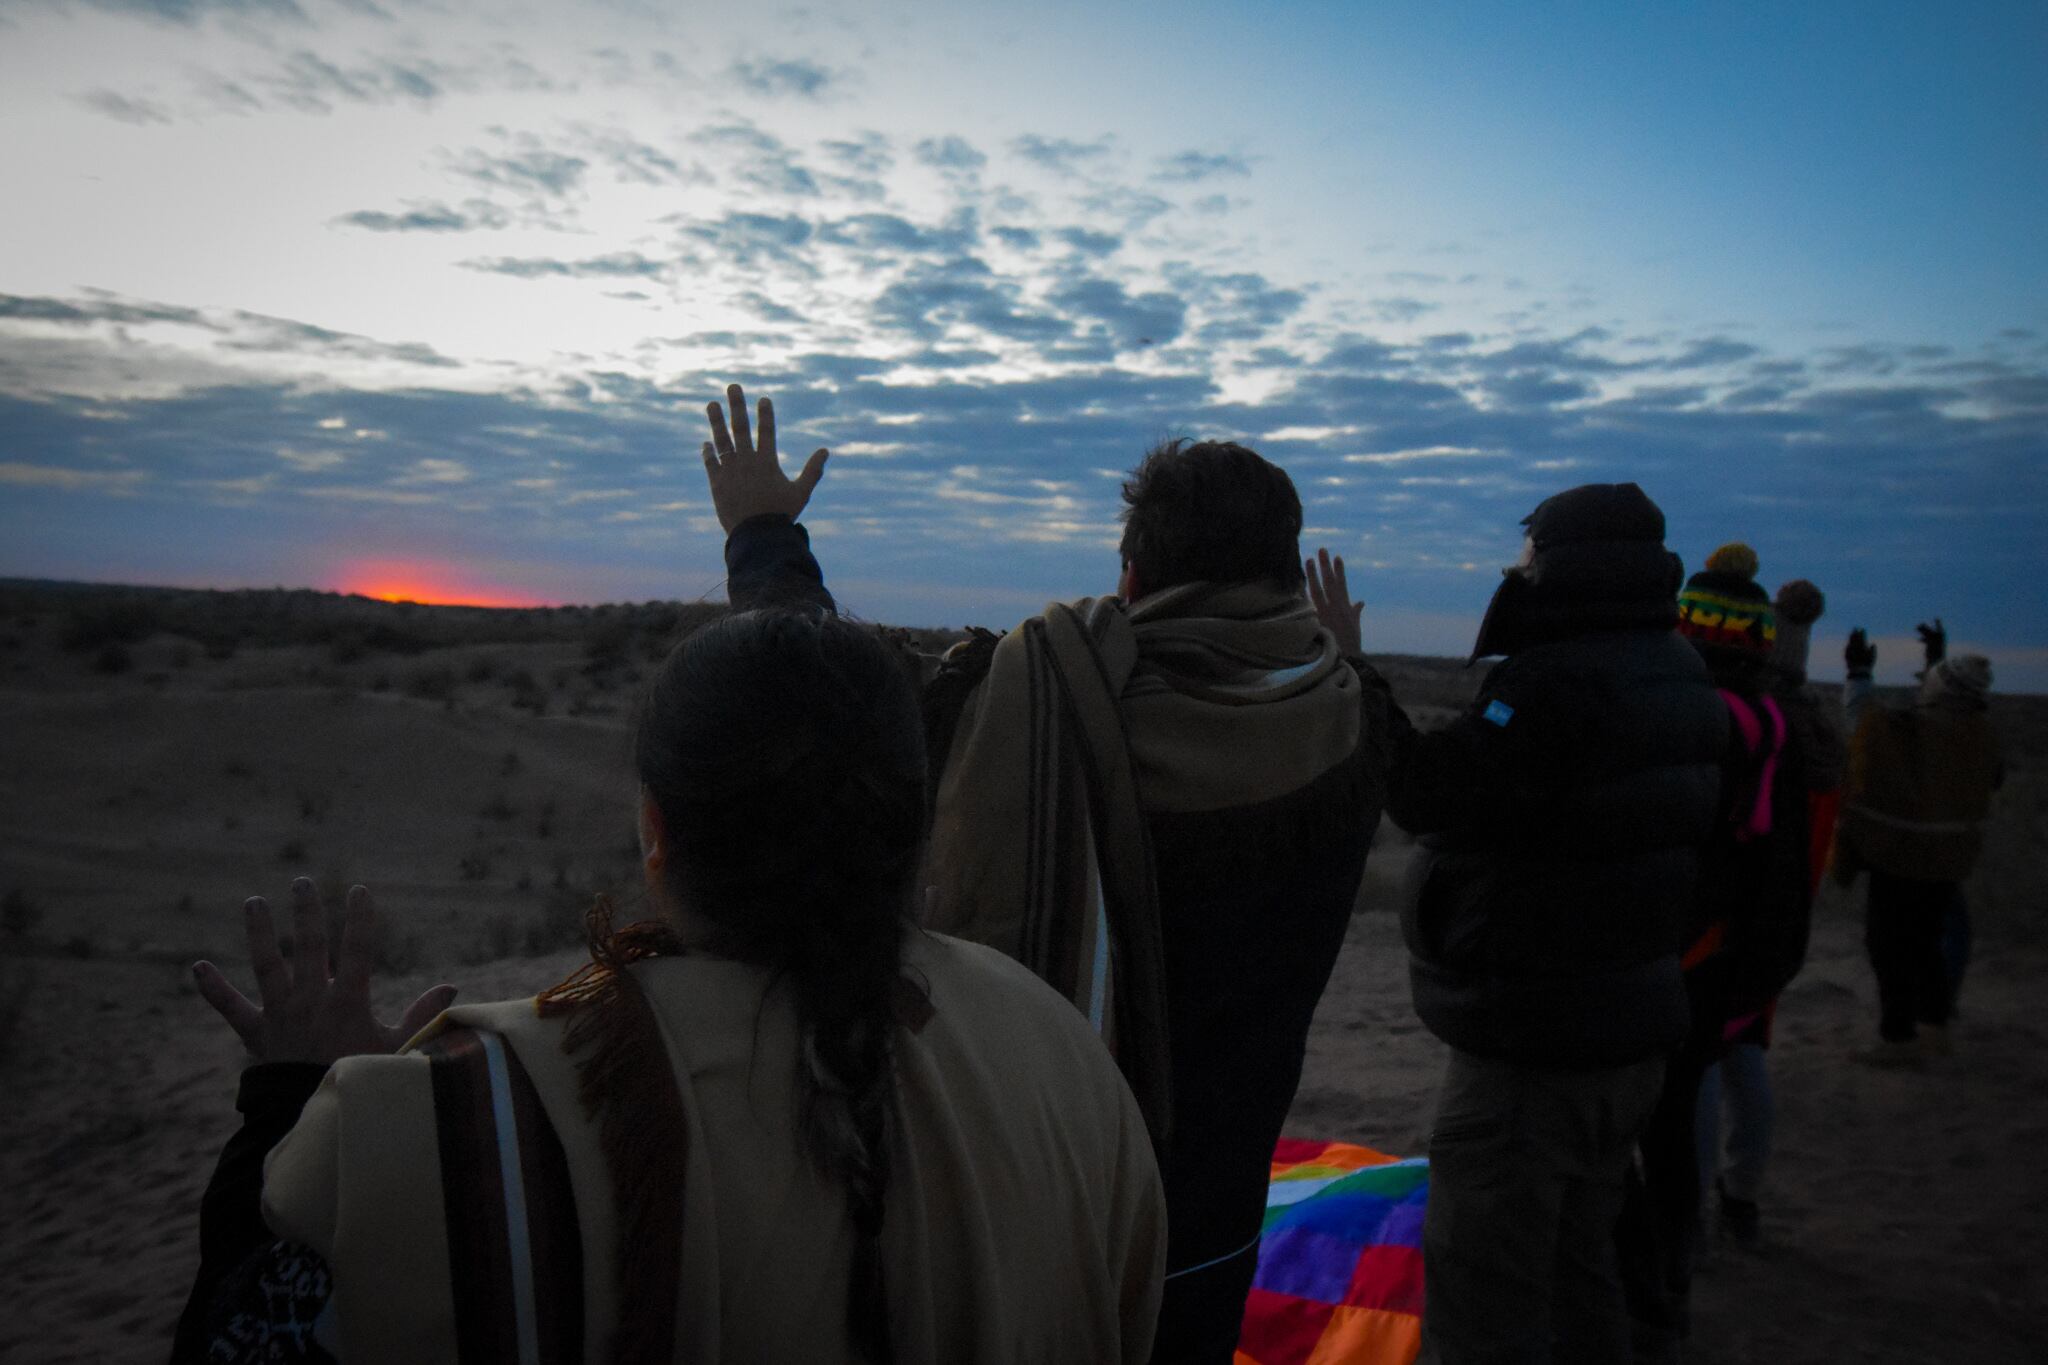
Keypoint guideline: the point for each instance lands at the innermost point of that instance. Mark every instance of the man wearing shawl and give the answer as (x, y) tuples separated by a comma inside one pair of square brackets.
[(1913, 812), (1159, 801)]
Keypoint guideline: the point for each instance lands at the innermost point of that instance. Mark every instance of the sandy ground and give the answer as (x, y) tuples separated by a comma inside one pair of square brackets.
[(1906, 1219)]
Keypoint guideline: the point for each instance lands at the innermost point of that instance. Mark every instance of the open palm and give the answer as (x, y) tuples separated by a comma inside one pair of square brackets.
[(743, 470)]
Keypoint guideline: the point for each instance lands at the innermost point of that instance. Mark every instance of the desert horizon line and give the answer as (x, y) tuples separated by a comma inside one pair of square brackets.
[(1900, 649)]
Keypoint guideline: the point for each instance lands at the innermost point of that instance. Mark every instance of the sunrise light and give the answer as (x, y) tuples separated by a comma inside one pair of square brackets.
[(430, 584)]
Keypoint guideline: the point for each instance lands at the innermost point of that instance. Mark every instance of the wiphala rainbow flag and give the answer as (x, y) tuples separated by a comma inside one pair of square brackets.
[(1340, 1261)]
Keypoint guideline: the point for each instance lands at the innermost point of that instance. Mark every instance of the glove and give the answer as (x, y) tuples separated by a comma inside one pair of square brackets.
[(1859, 654), (1933, 642)]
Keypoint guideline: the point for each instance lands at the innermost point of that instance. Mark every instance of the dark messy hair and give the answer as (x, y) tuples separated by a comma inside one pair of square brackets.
[(785, 752), (1210, 511)]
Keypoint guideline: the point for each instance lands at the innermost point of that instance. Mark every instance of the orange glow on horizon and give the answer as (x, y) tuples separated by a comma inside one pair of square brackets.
[(432, 585)]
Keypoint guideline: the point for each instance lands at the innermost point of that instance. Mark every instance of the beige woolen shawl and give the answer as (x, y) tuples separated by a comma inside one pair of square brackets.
[(1024, 1220), (1918, 791), (1202, 697)]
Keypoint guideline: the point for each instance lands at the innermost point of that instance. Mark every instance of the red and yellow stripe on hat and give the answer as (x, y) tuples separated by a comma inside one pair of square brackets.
[(1722, 605)]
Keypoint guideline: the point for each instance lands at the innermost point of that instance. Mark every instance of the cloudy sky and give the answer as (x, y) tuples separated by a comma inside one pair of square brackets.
[(366, 294)]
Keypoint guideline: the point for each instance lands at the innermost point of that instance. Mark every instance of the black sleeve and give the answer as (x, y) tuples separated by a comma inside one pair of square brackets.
[(1458, 777), (768, 563), (231, 1227), (1388, 733)]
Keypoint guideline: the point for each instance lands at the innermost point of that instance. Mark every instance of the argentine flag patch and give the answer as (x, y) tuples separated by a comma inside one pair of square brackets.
[(1498, 712)]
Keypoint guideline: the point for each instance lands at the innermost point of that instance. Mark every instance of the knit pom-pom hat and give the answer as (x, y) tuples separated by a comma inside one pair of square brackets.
[(1800, 604), (1721, 607)]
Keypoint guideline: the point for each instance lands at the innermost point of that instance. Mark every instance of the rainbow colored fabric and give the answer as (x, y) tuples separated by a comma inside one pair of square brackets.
[(1340, 1260)]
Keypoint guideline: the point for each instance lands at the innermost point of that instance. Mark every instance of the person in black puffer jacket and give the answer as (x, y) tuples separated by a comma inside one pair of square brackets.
[(1561, 817)]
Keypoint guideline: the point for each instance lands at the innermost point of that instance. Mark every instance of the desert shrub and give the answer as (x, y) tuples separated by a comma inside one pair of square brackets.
[(431, 684), (525, 881), (186, 904), (481, 669), (108, 623), (292, 851), (181, 655), (113, 658), (19, 916), (220, 648), (510, 764), (498, 808), (474, 866), (391, 639), (607, 647), (237, 767), (527, 693), (347, 646), (544, 826), (381, 683), (83, 946)]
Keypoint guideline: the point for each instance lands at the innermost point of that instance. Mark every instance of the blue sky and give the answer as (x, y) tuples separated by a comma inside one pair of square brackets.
[(294, 287)]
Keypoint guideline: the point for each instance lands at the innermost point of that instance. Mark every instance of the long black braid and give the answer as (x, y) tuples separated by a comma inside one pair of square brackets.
[(785, 750)]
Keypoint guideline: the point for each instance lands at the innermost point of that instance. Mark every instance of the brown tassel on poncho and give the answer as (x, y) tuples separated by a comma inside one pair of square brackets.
[(627, 1084)]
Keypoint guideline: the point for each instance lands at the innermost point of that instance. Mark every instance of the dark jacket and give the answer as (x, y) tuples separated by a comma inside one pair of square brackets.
[(1563, 813), (237, 1304)]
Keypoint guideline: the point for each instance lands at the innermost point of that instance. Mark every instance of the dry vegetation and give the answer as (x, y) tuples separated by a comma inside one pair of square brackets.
[(164, 754)]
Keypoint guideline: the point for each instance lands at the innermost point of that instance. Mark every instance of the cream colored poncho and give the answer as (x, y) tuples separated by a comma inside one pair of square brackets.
[(463, 1201)]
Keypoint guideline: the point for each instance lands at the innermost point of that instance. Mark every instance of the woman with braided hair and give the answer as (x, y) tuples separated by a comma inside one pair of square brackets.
[(770, 1121)]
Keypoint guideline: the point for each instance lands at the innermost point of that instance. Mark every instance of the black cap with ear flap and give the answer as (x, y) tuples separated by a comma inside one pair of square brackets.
[(1598, 562)]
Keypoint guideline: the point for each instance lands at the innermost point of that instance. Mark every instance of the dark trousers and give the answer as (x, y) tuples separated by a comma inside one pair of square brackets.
[(1202, 1311), (1525, 1187), (1904, 927), (1660, 1215)]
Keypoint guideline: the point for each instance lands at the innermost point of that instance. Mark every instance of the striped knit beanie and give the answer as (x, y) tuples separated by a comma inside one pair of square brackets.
[(1721, 607)]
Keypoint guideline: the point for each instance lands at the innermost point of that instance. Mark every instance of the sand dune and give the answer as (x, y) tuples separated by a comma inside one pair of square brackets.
[(482, 790)]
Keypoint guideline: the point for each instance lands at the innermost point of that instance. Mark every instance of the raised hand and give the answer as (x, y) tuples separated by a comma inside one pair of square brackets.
[(746, 477), (1859, 654), (1330, 593), (307, 1014), (1933, 642)]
